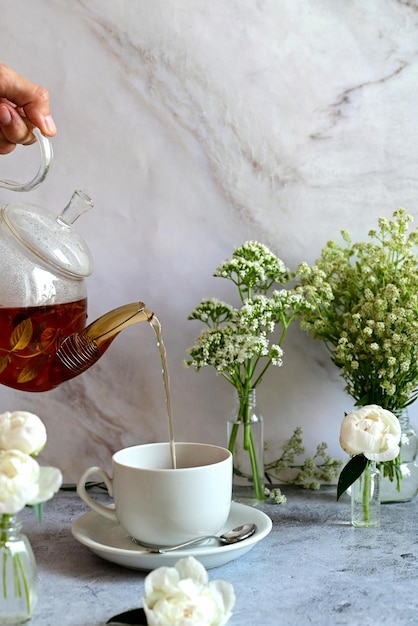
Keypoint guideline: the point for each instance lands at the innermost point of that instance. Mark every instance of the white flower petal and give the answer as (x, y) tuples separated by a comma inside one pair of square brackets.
[(50, 480), (162, 577), (387, 455), (19, 475), (189, 567), (21, 430), (224, 597)]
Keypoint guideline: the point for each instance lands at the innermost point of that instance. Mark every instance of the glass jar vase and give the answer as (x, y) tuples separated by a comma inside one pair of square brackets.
[(17, 572), (246, 442), (408, 487), (365, 498)]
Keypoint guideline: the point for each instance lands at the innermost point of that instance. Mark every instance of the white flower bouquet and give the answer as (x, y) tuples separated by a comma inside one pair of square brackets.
[(242, 342), (23, 482), (364, 300)]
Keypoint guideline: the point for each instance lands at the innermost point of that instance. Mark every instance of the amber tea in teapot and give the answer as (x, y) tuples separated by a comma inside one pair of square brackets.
[(28, 343), (43, 346)]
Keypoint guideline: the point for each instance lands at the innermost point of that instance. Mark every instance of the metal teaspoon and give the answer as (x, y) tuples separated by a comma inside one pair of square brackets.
[(230, 536)]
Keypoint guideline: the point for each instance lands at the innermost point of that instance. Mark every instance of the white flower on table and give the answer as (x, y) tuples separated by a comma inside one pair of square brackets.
[(182, 596), (21, 430), (372, 431)]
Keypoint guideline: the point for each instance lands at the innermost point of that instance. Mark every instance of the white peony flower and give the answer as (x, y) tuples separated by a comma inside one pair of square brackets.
[(22, 431), (372, 431), (23, 481), (182, 596), (19, 475)]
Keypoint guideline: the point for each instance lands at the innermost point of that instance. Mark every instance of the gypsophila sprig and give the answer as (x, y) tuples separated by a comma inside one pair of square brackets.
[(309, 472), (275, 495), (365, 309), (241, 343)]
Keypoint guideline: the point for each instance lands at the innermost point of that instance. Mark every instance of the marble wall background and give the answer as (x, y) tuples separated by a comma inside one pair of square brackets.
[(195, 126)]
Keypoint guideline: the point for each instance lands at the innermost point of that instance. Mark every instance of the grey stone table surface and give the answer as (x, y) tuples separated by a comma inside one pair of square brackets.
[(313, 568)]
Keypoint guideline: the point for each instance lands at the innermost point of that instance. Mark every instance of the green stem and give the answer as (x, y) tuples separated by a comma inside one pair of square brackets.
[(4, 574), (263, 371), (233, 437), (3, 538), (17, 587), (249, 445), (21, 567), (4, 524), (244, 420), (366, 494)]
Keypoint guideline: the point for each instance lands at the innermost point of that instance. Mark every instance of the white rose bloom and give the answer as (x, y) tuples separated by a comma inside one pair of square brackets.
[(372, 431), (22, 431), (49, 482), (19, 476), (182, 596)]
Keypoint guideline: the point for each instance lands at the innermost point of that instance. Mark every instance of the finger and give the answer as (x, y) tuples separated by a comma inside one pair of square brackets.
[(13, 129), (32, 98)]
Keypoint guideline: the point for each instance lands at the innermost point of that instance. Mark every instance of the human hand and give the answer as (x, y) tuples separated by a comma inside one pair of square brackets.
[(23, 104)]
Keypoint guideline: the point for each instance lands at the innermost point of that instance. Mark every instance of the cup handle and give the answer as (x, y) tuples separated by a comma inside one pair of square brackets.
[(106, 511), (45, 148)]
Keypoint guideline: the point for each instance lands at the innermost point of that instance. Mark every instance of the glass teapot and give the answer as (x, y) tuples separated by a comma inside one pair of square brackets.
[(44, 340)]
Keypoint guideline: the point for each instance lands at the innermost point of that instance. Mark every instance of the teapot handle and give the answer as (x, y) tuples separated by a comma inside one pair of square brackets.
[(45, 148)]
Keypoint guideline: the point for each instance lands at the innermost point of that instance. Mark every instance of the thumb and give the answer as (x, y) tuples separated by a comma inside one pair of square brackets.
[(30, 97)]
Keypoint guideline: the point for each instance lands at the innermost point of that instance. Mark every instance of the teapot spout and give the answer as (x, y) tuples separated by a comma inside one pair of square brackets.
[(80, 351)]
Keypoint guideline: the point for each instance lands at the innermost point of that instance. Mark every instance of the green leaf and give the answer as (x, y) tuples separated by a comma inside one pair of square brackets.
[(349, 474), (136, 616), (4, 362), (21, 335), (32, 370)]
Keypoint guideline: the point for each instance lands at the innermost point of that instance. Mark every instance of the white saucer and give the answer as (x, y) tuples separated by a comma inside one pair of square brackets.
[(108, 540)]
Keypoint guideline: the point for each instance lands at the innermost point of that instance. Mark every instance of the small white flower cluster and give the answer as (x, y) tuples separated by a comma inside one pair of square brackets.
[(226, 348), (183, 596), (253, 265), (275, 495), (365, 303), (22, 480), (309, 472), (237, 340)]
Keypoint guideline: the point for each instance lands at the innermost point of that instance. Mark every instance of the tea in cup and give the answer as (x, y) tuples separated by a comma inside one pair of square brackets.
[(159, 505)]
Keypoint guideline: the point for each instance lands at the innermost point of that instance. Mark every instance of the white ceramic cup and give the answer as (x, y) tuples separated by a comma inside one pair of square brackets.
[(162, 506)]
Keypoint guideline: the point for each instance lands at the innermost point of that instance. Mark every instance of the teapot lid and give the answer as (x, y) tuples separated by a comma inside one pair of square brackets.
[(52, 238)]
